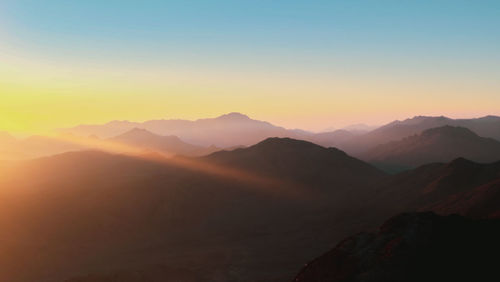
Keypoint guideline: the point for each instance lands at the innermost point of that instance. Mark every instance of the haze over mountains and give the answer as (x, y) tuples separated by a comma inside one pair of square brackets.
[(221, 227), (251, 214), (210, 131), (233, 129), (169, 145), (340, 165), (146, 201), (394, 147), (441, 144)]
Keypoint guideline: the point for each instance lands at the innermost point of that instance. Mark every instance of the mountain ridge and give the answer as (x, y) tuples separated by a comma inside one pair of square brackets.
[(169, 145), (440, 144)]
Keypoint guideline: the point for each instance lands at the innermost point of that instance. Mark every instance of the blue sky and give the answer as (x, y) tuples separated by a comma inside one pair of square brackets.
[(249, 30), (339, 53)]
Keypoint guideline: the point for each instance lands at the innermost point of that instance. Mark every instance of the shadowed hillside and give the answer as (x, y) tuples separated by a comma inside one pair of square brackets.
[(251, 214), (113, 213), (412, 247), (440, 187), (301, 161)]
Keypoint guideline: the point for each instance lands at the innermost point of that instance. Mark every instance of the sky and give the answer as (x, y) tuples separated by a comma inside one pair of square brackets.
[(298, 64)]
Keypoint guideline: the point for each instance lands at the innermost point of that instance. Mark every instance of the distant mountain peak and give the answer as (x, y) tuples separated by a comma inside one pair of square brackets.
[(138, 131), (420, 119), (233, 116)]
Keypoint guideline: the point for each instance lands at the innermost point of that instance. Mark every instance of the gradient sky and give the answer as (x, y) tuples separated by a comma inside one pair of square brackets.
[(307, 64)]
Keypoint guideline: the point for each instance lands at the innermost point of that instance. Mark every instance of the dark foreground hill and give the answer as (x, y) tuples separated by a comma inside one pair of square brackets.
[(88, 215), (253, 214), (413, 247)]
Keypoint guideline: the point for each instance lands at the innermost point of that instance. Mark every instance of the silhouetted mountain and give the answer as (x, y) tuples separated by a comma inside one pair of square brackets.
[(170, 145), (233, 129), (233, 117), (488, 126), (300, 161), (217, 216), (252, 214), (442, 144), (413, 247)]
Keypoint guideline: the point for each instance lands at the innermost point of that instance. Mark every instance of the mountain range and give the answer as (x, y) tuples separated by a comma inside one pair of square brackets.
[(168, 145), (441, 144), (441, 188), (235, 129), (216, 216), (136, 139), (250, 214)]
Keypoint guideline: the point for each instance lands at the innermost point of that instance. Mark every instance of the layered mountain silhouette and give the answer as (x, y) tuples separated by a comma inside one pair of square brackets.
[(139, 139), (229, 130), (169, 145), (250, 214), (235, 129), (413, 247), (488, 126), (444, 188), (441, 144), (118, 213)]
